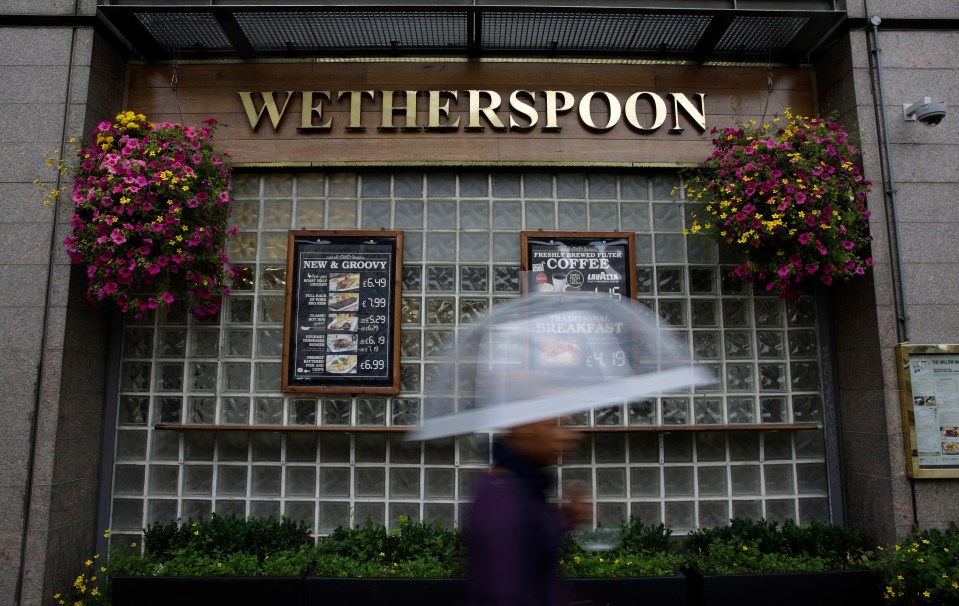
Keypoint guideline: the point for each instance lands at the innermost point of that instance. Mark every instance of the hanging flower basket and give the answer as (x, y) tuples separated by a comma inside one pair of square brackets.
[(152, 203), (789, 198)]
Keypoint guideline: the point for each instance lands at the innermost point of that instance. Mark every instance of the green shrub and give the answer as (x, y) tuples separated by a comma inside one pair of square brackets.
[(747, 546), (924, 569), (218, 535)]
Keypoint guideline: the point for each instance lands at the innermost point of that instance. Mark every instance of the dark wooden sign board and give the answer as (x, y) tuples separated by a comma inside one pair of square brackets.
[(568, 261), (342, 320)]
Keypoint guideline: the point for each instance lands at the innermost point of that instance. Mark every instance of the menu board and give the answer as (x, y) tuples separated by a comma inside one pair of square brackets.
[(558, 262), (342, 318), (929, 388)]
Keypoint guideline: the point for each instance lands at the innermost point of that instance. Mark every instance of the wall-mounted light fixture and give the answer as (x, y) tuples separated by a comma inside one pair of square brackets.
[(927, 111)]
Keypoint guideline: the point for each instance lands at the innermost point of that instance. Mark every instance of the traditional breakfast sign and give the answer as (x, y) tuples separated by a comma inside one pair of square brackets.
[(599, 262), (342, 318), (929, 393)]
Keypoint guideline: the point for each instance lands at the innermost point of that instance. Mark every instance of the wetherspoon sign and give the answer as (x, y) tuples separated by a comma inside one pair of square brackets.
[(342, 318)]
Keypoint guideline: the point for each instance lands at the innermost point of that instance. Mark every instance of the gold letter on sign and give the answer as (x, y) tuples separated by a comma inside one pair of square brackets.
[(552, 109), (389, 109), (356, 107), (436, 110), (269, 104), (489, 111), (698, 115), (306, 120), (659, 110), (524, 108), (586, 114)]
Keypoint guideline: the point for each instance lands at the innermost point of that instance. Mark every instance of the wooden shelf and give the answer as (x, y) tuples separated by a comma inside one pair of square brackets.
[(401, 430)]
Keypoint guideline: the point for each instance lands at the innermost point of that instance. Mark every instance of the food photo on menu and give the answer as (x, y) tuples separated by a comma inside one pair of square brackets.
[(345, 301), (341, 342), (341, 364), (344, 282), (950, 440), (345, 322)]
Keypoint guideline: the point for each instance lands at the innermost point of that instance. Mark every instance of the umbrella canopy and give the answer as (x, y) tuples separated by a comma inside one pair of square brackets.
[(549, 356)]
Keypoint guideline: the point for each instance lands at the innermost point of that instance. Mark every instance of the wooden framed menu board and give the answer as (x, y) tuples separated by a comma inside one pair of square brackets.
[(929, 394), (567, 261), (342, 321)]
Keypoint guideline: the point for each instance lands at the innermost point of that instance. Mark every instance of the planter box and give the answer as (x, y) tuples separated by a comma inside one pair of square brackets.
[(859, 587), (205, 591), (320, 591), (630, 591)]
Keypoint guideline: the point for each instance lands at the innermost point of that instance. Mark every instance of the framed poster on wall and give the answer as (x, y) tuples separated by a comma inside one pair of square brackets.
[(342, 320), (568, 261), (929, 394)]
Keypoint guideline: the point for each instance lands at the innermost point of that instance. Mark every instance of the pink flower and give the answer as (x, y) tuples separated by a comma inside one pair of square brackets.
[(153, 269), (117, 237), (804, 238), (167, 298), (848, 245)]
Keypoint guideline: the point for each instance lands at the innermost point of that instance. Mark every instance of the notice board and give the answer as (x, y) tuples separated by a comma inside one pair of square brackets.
[(929, 394), (342, 320)]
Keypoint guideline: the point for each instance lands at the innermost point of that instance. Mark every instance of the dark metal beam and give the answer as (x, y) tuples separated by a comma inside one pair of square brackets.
[(236, 35)]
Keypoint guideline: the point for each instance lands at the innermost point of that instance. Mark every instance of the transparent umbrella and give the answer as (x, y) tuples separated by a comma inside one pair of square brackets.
[(548, 356)]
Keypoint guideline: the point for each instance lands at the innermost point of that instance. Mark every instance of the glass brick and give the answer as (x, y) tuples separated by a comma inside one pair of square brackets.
[(506, 247), (506, 185), (779, 479), (470, 309), (672, 312), (337, 412), (342, 214), (268, 411), (738, 344), (440, 310), (507, 215), (603, 216), (712, 481), (805, 376), (713, 514), (706, 345), (649, 513), (741, 410), (370, 411), (272, 277), (168, 410), (127, 515), (642, 412), (680, 515), (611, 482), (265, 509), (240, 310), (201, 411), (669, 280), (268, 376), (376, 186), (410, 344), (609, 415), (675, 411), (404, 482), (265, 481), (310, 185), (769, 344), (474, 247), (802, 344), (370, 448), (410, 311), (634, 187), (810, 444), (702, 280), (777, 446), (408, 185), (370, 482), (241, 246), (506, 279), (203, 376), (133, 409), (801, 312), (246, 214), (198, 480), (375, 512), (541, 215), (301, 447), (199, 445), (739, 377), (311, 214), (273, 246), (204, 343), (412, 278), (137, 342), (474, 278), (244, 278), (231, 480), (807, 409), (278, 214), (277, 186), (269, 342), (441, 451), (236, 376), (302, 412), (744, 480), (235, 411), (678, 481), (537, 186), (410, 511), (572, 216), (644, 482), (677, 448), (701, 250), (571, 186), (408, 214), (781, 511), (160, 511), (474, 185), (735, 313), (334, 481), (131, 445), (409, 378), (666, 186), (129, 480), (333, 515), (669, 248), (710, 447), (667, 217), (441, 214), (440, 246), (439, 483), (474, 215), (709, 411), (412, 247), (169, 377), (811, 478)]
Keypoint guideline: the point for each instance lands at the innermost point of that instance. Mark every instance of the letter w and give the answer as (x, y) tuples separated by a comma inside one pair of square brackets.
[(269, 104)]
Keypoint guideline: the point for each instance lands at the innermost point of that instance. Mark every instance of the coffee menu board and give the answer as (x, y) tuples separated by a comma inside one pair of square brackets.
[(929, 393), (342, 314), (559, 261)]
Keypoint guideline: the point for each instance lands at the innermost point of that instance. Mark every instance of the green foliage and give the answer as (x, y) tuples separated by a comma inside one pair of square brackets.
[(218, 535), (746, 546), (642, 551), (638, 537), (924, 569), (413, 550)]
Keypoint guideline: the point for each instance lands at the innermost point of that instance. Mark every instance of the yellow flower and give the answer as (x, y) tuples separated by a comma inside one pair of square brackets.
[(219, 564), (133, 544), (106, 533), (745, 548), (88, 563), (196, 533), (382, 554), (926, 594)]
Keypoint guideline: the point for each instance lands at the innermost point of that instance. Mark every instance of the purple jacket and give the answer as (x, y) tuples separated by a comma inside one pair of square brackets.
[(514, 536)]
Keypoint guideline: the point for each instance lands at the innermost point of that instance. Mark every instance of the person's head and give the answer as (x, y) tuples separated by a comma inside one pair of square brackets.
[(543, 441)]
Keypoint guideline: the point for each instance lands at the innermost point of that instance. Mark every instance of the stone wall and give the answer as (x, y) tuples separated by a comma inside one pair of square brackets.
[(58, 82)]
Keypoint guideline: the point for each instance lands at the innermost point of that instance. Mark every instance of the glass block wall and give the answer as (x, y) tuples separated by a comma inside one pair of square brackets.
[(462, 255)]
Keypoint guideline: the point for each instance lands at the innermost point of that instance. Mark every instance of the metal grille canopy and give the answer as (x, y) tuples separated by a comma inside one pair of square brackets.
[(256, 32)]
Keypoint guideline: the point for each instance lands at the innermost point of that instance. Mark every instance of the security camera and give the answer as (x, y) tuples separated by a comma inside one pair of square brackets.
[(927, 111)]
